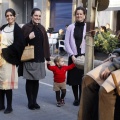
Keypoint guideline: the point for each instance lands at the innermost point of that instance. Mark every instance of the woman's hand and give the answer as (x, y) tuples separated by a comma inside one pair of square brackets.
[(73, 58), (32, 35), (105, 73)]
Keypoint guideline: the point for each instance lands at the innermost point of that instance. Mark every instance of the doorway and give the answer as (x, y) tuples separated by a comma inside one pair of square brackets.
[(60, 14), (118, 21), (28, 6)]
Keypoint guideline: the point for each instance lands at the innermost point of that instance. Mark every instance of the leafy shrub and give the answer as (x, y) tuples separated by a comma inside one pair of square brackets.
[(105, 42)]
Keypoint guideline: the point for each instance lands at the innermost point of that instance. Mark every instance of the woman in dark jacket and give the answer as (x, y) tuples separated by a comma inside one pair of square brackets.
[(34, 70), (11, 48)]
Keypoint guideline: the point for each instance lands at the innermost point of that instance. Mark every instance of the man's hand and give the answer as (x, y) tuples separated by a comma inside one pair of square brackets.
[(110, 58), (32, 35), (104, 74)]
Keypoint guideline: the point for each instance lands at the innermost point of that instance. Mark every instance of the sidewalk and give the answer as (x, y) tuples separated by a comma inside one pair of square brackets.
[(98, 56)]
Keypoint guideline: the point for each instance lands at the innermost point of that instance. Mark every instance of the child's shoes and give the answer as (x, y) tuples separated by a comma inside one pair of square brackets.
[(58, 104), (62, 102)]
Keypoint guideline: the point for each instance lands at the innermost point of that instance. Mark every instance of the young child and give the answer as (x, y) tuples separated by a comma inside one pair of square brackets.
[(59, 71)]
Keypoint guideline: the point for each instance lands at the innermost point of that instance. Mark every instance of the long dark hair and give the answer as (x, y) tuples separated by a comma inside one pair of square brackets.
[(10, 10), (104, 28), (80, 8), (33, 11)]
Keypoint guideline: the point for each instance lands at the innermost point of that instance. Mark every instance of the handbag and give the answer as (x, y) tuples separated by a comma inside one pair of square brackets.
[(79, 61), (28, 53)]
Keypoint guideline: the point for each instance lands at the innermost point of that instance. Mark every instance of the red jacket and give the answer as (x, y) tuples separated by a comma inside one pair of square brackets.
[(60, 72)]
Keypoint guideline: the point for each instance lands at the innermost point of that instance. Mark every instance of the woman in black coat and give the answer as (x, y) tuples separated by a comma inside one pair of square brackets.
[(34, 70)]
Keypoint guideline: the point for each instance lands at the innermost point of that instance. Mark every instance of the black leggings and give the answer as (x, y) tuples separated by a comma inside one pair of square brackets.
[(60, 94), (8, 94), (76, 91), (32, 87)]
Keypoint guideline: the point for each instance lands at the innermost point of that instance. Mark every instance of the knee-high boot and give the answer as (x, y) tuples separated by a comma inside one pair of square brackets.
[(9, 101), (2, 95), (9, 98), (75, 92), (29, 88), (35, 93)]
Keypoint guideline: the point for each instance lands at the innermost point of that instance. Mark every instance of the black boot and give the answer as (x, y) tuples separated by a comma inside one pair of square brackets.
[(2, 94), (8, 110), (9, 101), (75, 92), (76, 102), (29, 87), (35, 93)]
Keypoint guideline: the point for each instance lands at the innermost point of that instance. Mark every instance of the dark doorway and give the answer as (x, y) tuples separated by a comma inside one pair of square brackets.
[(118, 21), (28, 6), (60, 14)]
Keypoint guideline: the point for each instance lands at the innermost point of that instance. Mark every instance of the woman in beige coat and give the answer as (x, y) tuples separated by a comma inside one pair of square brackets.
[(12, 46)]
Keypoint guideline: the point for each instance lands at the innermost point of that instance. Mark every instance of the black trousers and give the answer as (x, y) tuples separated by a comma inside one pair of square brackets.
[(32, 87), (77, 92), (8, 94)]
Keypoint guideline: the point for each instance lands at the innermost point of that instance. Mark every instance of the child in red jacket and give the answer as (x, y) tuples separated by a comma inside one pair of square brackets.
[(59, 71)]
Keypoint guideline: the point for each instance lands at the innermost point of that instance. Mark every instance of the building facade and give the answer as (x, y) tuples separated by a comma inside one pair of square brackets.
[(111, 15), (58, 13), (55, 13)]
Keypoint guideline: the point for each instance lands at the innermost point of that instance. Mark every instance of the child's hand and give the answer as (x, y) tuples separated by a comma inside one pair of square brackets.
[(48, 62)]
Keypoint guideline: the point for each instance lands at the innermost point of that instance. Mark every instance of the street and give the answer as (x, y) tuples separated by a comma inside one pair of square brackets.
[(46, 100)]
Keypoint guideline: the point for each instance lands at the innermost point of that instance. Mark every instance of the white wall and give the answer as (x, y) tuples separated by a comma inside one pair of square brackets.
[(103, 17), (114, 3), (4, 5), (17, 5), (107, 17)]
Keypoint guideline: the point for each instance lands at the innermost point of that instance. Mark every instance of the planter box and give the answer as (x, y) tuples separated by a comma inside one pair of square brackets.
[(100, 56)]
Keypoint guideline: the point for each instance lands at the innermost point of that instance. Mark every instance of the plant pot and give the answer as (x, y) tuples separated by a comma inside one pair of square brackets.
[(100, 55)]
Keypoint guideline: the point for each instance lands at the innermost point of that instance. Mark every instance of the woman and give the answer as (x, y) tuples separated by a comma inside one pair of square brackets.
[(103, 33), (75, 46), (103, 29), (34, 70), (12, 46)]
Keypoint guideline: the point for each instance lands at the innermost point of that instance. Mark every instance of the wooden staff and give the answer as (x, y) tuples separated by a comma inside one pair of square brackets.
[(116, 83)]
